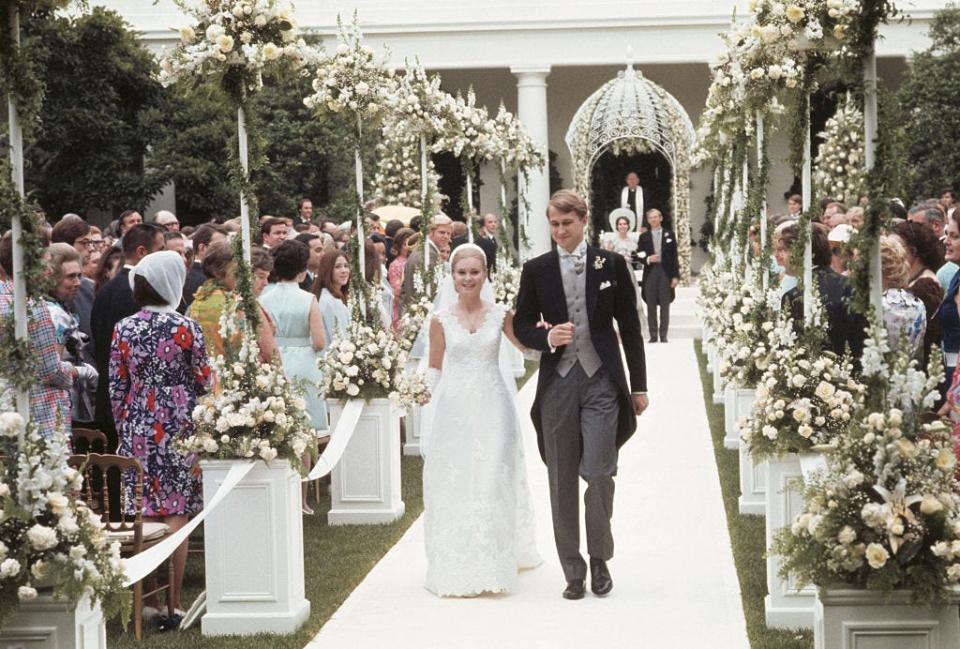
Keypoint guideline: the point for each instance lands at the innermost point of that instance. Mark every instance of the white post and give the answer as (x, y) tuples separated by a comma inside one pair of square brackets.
[(245, 164), (423, 194), (532, 111), (870, 120), (807, 197), (764, 272), (361, 257), (744, 199), (522, 230), (470, 205), (16, 227)]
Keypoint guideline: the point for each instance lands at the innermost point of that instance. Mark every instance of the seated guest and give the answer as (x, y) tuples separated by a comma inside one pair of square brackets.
[(904, 315), (923, 254), (211, 299), (331, 289), (158, 369), (845, 329)]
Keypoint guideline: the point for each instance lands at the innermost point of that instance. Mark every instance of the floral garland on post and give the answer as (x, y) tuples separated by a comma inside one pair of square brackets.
[(47, 534), (519, 154), (839, 167), (236, 43)]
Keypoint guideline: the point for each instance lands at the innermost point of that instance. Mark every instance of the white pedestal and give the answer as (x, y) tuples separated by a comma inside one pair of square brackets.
[(737, 407), (861, 619), (753, 484), (365, 484), (48, 623), (253, 547), (718, 382), (786, 606), (412, 444)]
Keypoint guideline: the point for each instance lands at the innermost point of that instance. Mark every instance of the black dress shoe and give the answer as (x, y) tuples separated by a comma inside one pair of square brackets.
[(653, 340), (600, 581), (575, 589), (663, 340)]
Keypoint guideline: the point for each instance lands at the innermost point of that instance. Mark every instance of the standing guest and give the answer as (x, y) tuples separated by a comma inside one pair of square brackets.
[(840, 253), (438, 236), (948, 199), (212, 298), (76, 232), (658, 254), (53, 377), (376, 275), (389, 232), (487, 240), (834, 215), (784, 236), (315, 244), (949, 311), (167, 220), (115, 302), (304, 210), (203, 237), (904, 314), (331, 288), (273, 232), (794, 206), (845, 329), (64, 282), (300, 333), (107, 269), (855, 217), (402, 242), (158, 369), (923, 255), (128, 219), (89, 269), (445, 251), (177, 243), (458, 234), (631, 197)]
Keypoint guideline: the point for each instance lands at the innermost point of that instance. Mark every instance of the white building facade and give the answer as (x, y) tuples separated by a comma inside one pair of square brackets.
[(542, 59)]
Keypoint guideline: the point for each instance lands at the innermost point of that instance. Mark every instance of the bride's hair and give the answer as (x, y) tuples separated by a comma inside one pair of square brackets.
[(465, 250)]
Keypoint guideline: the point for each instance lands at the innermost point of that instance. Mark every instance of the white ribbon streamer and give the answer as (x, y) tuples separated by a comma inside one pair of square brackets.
[(339, 439), (141, 565)]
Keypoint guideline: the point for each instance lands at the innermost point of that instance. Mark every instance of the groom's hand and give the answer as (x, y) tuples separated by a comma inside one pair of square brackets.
[(640, 403), (560, 335)]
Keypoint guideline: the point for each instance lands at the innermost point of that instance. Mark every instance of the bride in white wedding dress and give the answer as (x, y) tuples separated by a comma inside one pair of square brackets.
[(478, 521)]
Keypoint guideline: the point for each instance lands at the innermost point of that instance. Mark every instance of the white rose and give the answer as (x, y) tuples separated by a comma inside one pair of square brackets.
[(214, 32), (11, 423), (26, 592), (798, 380), (210, 445), (260, 20), (9, 568), (58, 502), (352, 371), (271, 52), (847, 535), (268, 453), (68, 525), (42, 537), (877, 555), (953, 572), (353, 390), (225, 43), (930, 505), (187, 35), (78, 552)]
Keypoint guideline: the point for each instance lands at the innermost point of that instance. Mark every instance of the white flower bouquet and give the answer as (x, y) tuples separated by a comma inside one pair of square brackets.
[(515, 146), (367, 364), (885, 514), (354, 80), (802, 399), (468, 132), (237, 41), (48, 535), (839, 167), (746, 326), (254, 412), (506, 285)]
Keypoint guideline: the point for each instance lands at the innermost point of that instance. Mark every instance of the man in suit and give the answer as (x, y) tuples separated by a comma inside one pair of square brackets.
[(657, 250), (115, 302), (487, 240), (631, 197), (203, 237), (315, 243), (439, 235), (584, 408)]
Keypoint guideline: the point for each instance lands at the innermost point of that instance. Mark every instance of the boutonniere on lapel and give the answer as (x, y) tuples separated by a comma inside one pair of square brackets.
[(667, 239), (599, 262)]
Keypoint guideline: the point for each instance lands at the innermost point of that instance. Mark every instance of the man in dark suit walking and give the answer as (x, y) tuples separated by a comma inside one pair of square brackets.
[(584, 409), (115, 302), (657, 250)]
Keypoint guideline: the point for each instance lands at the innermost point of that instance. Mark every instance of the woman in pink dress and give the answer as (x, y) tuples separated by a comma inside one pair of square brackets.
[(402, 241)]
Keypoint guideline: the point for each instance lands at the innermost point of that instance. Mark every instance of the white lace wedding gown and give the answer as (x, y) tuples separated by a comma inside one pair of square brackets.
[(478, 521)]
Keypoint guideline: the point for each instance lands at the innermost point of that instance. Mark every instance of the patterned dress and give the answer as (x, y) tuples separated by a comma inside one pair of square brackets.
[(158, 367)]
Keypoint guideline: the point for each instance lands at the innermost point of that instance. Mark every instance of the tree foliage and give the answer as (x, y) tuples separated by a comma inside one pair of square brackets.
[(87, 151), (929, 98)]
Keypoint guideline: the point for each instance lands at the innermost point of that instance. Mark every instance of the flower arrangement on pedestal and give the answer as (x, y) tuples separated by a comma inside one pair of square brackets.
[(839, 166), (48, 535), (886, 512), (506, 285), (369, 363), (255, 411), (746, 325)]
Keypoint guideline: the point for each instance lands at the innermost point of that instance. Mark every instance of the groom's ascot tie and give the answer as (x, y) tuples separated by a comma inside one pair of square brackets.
[(572, 266)]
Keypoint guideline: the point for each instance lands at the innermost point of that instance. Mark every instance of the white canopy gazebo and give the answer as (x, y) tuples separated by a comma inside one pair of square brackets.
[(631, 115)]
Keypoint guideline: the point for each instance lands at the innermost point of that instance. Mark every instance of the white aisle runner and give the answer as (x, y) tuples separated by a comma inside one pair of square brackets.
[(674, 578)]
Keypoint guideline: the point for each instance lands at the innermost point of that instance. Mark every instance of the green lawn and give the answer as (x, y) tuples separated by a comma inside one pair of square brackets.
[(336, 560), (746, 534)]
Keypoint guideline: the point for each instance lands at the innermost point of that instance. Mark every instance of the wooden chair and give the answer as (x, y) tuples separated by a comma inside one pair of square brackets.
[(134, 535), (322, 442), (88, 440)]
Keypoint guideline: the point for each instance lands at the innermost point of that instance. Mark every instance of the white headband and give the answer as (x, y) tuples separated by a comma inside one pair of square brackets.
[(467, 246)]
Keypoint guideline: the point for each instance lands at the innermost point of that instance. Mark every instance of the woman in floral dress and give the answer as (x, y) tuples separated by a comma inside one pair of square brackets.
[(158, 367)]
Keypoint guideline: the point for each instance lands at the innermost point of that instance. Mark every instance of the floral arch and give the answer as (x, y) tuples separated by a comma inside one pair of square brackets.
[(631, 114)]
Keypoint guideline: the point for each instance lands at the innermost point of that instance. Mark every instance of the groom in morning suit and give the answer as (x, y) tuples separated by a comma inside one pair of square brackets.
[(584, 408)]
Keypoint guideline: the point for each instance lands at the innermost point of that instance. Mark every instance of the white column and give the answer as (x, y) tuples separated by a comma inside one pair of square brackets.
[(532, 111)]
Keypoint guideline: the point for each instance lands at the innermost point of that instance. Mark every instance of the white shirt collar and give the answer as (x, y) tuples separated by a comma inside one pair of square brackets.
[(577, 253)]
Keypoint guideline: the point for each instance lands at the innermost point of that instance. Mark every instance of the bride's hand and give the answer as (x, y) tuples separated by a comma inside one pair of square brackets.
[(424, 398)]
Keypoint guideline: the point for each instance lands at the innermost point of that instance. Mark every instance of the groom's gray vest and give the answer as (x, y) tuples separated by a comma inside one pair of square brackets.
[(574, 287)]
